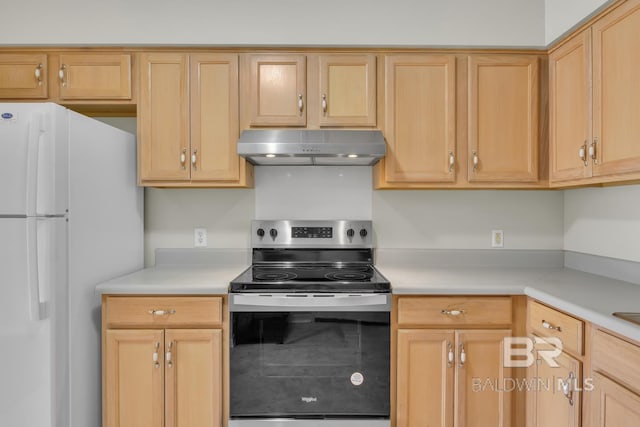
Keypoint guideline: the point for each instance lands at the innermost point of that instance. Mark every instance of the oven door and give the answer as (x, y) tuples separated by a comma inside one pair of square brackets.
[(310, 359)]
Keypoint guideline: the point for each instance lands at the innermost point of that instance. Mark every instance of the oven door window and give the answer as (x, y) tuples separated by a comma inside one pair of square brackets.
[(310, 364)]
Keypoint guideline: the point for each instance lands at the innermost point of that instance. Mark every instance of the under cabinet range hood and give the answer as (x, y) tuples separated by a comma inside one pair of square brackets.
[(312, 147)]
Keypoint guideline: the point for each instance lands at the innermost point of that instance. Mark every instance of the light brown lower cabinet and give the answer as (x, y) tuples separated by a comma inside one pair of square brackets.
[(554, 392), (451, 378), (163, 362), (613, 405), (157, 378), (615, 399)]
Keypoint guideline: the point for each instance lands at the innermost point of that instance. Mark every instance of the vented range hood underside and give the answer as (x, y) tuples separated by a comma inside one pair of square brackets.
[(312, 147)]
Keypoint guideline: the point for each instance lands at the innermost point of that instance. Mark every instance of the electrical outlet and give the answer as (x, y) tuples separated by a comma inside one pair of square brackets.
[(200, 237), (497, 238)]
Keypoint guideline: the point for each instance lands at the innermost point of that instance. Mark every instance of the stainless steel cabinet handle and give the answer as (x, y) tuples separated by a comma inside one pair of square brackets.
[(183, 158), (452, 161), (300, 103), (452, 312), (155, 312), (476, 160), (592, 151), (567, 388), (194, 159), (450, 354), (156, 363), (548, 325), (463, 356), (168, 355), (582, 152), (61, 74), (324, 103), (38, 74)]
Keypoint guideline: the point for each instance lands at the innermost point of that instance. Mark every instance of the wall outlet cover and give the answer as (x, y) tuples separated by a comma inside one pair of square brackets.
[(497, 238), (200, 237)]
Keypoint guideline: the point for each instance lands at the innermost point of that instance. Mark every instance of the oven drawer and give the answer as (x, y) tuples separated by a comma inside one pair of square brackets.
[(453, 311), (161, 311), (548, 322)]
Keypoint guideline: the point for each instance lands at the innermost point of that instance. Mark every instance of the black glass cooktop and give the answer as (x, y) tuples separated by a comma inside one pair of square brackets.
[(310, 277)]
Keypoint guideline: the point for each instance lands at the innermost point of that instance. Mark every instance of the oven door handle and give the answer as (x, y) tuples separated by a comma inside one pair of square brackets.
[(309, 302)]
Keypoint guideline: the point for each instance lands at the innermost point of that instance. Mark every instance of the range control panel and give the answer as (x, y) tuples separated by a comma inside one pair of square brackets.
[(311, 234)]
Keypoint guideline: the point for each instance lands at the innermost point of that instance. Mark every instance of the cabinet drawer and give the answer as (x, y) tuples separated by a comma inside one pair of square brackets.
[(616, 358), (454, 311), (162, 311), (547, 322)]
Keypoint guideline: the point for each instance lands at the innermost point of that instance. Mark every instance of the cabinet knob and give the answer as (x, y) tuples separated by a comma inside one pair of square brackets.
[(582, 152), (324, 103), (463, 356), (592, 151), (38, 74), (476, 160), (61, 74), (194, 159), (548, 325), (183, 158), (452, 161), (300, 103)]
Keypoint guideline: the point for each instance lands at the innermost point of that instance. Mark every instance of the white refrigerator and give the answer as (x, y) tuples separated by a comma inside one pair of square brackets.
[(71, 216)]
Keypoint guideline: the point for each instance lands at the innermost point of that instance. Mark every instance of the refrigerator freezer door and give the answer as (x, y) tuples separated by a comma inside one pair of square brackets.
[(34, 350), (33, 160)]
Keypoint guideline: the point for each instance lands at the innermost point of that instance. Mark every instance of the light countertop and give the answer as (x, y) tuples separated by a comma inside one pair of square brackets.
[(174, 280), (588, 296)]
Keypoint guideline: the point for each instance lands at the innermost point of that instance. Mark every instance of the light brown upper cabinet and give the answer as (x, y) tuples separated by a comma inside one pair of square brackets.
[(420, 118), (309, 90), (188, 121), (595, 101), (82, 76), (23, 76), (277, 89), (347, 90), (503, 118), (570, 109), (616, 91)]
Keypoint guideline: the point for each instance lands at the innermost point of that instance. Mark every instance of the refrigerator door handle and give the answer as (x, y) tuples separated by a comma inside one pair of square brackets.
[(38, 265), (33, 150)]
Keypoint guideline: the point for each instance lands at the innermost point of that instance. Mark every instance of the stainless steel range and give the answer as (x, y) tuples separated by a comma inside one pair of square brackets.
[(310, 329)]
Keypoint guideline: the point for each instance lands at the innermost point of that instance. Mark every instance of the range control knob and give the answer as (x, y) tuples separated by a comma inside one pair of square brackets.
[(273, 233), (363, 233), (260, 232), (350, 233)]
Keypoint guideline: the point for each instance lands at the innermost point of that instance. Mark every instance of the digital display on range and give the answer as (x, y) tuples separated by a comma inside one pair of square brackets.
[(312, 232)]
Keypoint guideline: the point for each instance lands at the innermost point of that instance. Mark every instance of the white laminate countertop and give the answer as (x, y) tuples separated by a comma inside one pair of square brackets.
[(174, 280), (591, 297), (588, 296)]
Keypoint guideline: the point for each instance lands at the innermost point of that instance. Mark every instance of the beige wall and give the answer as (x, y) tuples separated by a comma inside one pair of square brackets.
[(282, 22)]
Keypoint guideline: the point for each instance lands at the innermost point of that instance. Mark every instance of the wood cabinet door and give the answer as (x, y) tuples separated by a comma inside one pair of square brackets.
[(133, 378), (277, 85), (550, 405), (503, 118), (420, 118), (347, 90), (613, 405), (616, 90), (23, 76), (95, 76), (570, 109), (424, 379), (481, 391), (193, 387), (163, 118), (214, 117)]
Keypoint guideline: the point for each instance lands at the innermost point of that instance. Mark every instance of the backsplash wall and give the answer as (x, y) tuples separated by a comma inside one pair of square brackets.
[(603, 221)]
